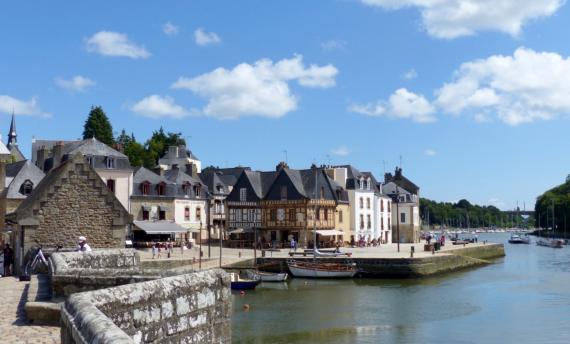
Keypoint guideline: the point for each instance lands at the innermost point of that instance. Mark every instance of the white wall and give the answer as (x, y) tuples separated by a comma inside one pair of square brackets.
[(355, 212), (382, 216), (193, 222), (123, 185)]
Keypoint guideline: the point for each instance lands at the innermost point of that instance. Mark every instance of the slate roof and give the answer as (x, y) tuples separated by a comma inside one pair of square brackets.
[(304, 183), (403, 182), (260, 181), (214, 183), (354, 175), (16, 174), (179, 178)]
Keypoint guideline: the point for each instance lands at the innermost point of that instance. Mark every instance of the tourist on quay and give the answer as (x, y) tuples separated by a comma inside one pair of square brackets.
[(154, 249), (159, 248), (8, 259), (428, 239), (293, 245), (82, 245)]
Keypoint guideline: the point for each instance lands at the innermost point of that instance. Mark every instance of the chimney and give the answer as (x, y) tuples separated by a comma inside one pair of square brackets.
[(173, 152), (158, 171), (188, 170), (281, 165), (182, 151), (41, 158), (57, 153), (192, 170)]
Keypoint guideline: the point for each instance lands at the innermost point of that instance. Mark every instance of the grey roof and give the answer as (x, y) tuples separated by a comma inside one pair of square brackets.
[(18, 173), (47, 144), (180, 178), (176, 154), (227, 176), (353, 178), (260, 181), (161, 227), (91, 146), (403, 182), (307, 182), (214, 183)]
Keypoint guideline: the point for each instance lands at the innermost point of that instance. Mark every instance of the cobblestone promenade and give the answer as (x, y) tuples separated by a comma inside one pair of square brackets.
[(13, 325)]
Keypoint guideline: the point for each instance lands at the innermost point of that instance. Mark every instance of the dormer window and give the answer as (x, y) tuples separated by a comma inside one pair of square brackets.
[(27, 187), (219, 188), (161, 188), (145, 188), (187, 188), (361, 184), (90, 160), (110, 162), (197, 190), (368, 182)]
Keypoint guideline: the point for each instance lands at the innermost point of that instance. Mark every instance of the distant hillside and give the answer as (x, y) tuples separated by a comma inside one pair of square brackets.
[(458, 214)]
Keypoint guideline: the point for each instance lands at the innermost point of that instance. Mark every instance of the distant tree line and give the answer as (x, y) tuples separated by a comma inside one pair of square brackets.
[(463, 214), (553, 207), (140, 154)]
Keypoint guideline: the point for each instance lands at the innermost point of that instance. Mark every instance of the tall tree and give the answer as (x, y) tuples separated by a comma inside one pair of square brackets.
[(98, 126), (159, 142)]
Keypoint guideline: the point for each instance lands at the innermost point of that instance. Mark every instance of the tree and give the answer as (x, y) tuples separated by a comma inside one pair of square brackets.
[(159, 142), (123, 139), (98, 126)]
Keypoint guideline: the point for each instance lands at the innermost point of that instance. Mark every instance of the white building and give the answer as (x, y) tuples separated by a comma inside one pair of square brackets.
[(383, 218)]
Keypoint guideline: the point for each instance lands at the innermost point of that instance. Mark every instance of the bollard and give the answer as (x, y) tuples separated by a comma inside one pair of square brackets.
[(412, 250), (239, 254)]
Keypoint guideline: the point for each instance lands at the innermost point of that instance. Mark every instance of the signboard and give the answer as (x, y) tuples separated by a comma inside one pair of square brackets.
[(280, 214)]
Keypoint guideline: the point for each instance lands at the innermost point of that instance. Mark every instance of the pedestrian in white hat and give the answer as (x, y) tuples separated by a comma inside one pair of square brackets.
[(82, 245)]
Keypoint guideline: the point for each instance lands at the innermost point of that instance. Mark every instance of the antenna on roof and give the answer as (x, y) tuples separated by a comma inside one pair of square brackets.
[(384, 165), (285, 153), (400, 161)]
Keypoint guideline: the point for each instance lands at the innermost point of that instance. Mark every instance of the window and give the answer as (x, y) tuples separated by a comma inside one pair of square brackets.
[(162, 214), (365, 184), (389, 224), (403, 217), (326, 215), (368, 184), (368, 203), (111, 185), (283, 193), (90, 160), (292, 214), (161, 188), (187, 214), (187, 188), (198, 214), (110, 162), (361, 221), (340, 216), (318, 214), (197, 190), (389, 206), (145, 188), (368, 222), (361, 184), (145, 215), (381, 205), (27, 187), (272, 214), (381, 224), (361, 203), (243, 195), (219, 188), (244, 215)]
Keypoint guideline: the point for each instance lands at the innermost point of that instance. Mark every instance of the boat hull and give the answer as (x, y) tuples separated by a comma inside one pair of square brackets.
[(307, 270), (244, 285), (268, 276), (550, 243)]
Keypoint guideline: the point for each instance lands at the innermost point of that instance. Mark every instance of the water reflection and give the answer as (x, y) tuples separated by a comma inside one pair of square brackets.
[(523, 298)]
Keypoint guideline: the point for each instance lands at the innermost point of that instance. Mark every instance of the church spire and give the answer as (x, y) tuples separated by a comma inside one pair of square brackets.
[(12, 141)]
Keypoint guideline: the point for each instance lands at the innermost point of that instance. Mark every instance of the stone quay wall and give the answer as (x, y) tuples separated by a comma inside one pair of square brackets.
[(74, 272), (191, 308)]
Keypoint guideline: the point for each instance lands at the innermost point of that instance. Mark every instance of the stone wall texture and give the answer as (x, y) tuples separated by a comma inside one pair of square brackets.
[(191, 308)]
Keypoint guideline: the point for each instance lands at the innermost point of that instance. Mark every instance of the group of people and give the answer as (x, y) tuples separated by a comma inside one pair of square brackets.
[(366, 242), (168, 248)]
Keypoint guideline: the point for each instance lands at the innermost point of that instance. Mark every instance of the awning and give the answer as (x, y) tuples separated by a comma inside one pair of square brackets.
[(329, 232), (240, 231), (161, 227), (146, 207)]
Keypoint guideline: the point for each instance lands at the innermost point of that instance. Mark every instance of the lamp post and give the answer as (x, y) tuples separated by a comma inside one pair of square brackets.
[(398, 219), (200, 253)]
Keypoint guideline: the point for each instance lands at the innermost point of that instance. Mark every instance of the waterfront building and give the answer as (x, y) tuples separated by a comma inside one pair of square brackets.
[(405, 197), (12, 144), (111, 165), (297, 202), (179, 156), (244, 205), (383, 216), (70, 201), (363, 191)]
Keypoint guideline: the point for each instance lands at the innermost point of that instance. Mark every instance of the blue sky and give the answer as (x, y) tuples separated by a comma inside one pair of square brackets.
[(474, 95)]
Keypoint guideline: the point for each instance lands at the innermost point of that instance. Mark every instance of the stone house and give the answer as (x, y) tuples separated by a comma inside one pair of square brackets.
[(70, 201), (111, 165), (405, 197)]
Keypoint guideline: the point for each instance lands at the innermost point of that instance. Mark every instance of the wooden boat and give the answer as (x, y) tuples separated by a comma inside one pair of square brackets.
[(238, 283), (321, 270), (553, 243), (267, 276)]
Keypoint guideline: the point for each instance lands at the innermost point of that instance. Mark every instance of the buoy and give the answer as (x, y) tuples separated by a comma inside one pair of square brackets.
[(242, 293), (246, 307)]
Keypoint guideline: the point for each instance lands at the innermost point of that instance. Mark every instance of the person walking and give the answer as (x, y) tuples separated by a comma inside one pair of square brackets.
[(8, 260), (159, 248), (153, 250)]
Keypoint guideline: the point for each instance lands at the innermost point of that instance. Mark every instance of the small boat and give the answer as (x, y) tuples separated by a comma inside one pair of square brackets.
[(267, 276), (554, 243), (238, 283), (322, 270), (516, 239)]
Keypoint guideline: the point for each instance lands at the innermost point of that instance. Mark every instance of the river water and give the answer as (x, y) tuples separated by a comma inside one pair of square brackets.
[(522, 298)]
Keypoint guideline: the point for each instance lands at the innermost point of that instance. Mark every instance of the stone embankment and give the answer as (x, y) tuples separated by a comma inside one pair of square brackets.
[(396, 267), (192, 308)]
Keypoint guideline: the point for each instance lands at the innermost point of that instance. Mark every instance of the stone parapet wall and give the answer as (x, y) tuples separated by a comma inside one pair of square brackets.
[(192, 308)]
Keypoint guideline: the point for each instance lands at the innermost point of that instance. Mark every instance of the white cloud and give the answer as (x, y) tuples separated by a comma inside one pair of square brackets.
[(521, 88), (333, 44), (155, 106), (110, 43), (76, 84), (410, 74), (402, 104), (455, 18), (206, 38), (261, 89), (170, 29), (340, 151), (430, 152), (21, 107), (482, 118)]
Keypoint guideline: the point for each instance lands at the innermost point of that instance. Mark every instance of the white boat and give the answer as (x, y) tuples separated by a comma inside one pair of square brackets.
[(267, 276), (518, 239), (321, 270), (554, 243)]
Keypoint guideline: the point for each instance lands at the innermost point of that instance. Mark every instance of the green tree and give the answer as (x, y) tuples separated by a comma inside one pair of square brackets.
[(98, 126), (159, 142)]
